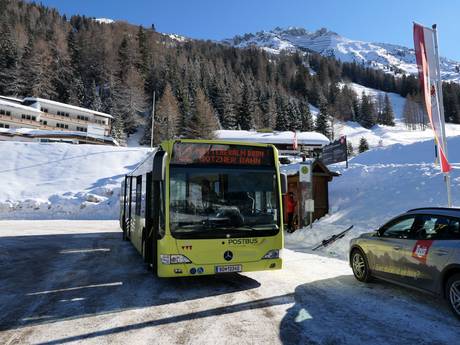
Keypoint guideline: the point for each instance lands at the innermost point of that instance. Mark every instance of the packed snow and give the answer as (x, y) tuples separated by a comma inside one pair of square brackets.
[(63, 180), (390, 58)]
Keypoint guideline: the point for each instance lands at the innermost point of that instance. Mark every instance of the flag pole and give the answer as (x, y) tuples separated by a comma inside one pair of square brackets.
[(441, 109)]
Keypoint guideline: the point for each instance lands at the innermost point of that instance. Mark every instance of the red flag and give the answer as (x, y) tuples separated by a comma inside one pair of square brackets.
[(428, 74)]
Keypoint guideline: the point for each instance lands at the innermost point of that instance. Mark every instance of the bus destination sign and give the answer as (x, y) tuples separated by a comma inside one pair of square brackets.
[(220, 154)]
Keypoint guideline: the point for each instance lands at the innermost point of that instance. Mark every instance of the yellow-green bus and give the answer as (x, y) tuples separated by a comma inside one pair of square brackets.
[(200, 207)]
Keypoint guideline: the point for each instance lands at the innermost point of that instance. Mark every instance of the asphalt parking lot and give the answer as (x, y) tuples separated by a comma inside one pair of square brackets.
[(77, 282)]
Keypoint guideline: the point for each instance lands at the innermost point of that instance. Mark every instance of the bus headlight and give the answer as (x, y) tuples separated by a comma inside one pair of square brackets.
[(272, 254), (171, 259)]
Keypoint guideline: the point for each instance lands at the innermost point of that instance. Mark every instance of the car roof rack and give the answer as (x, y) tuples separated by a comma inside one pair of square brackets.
[(435, 208)]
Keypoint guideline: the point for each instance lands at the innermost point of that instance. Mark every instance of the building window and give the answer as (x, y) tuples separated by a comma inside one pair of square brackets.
[(83, 118), (2, 112), (81, 129), (4, 125), (29, 117), (61, 125), (45, 110)]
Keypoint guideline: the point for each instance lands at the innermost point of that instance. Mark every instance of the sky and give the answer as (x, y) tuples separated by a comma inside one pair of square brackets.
[(367, 20)]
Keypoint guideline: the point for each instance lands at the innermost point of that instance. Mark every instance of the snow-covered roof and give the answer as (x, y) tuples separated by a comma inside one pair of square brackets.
[(64, 105), (5, 103), (303, 138), (12, 99), (31, 132)]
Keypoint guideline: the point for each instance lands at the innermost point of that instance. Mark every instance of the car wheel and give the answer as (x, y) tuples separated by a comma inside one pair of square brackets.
[(453, 294), (360, 266)]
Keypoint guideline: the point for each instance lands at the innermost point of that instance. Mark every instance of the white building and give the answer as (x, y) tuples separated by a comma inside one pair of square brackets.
[(15, 115), (52, 120), (61, 116)]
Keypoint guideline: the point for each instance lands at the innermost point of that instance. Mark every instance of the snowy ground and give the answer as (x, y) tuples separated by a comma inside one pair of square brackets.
[(78, 282), (378, 185), (58, 181)]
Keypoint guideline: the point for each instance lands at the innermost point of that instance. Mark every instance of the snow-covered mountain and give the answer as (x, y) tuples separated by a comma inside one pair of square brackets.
[(387, 57)]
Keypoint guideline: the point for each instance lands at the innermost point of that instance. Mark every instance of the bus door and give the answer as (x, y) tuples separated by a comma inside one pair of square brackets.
[(124, 207), (155, 209)]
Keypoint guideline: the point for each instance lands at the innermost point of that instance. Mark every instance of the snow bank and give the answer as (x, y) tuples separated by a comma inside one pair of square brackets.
[(63, 181), (377, 186)]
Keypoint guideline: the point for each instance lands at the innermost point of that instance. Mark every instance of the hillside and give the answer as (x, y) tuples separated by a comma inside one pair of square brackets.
[(199, 85), (387, 57)]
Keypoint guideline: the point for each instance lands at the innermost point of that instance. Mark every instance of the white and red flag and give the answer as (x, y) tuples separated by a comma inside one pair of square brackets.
[(295, 145), (428, 63)]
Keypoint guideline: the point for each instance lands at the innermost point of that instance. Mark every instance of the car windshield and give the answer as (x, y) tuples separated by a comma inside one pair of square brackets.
[(216, 202)]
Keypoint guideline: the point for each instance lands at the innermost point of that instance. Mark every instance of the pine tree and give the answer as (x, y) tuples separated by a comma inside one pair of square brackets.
[(77, 92), (35, 71), (367, 113), (386, 117), (363, 145), (203, 122), (246, 108), (282, 121), (350, 149), (95, 102), (305, 117), (167, 116), (228, 117), (8, 62), (322, 121)]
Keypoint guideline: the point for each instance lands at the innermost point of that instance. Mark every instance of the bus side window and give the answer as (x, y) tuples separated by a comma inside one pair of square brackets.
[(138, 195), (161, 230), (143, 196)]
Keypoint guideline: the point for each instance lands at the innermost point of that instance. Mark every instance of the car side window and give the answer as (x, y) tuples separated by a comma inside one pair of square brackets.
[(429, 227), (400, 228), (454, 229)]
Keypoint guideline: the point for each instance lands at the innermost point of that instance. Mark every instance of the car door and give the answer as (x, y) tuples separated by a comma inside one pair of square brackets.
[(431, 246), (386, 251)]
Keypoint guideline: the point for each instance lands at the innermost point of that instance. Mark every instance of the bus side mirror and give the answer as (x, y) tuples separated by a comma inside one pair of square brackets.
[(159, 166), (284, 184)]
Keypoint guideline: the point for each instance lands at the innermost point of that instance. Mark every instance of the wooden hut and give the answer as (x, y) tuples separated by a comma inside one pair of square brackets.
[(319, 190)]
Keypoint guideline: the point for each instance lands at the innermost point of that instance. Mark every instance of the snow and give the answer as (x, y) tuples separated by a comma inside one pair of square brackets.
[(303, 138), (380, 135), (15, 105), (177, 37), (63, 180), (104, 20), (31, 132), (44, 101), (390, 58), (378, 185)]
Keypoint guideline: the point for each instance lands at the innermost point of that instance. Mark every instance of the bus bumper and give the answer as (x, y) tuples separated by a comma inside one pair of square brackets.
[(188, 270)]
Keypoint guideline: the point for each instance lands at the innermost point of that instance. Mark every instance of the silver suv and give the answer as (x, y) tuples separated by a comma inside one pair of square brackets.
[(418, 249)]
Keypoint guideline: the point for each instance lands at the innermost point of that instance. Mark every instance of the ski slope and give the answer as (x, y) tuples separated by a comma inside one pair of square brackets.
[(380, 135), (56, 181)]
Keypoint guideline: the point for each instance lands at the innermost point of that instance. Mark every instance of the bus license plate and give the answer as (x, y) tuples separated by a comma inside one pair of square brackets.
[(228, 269)]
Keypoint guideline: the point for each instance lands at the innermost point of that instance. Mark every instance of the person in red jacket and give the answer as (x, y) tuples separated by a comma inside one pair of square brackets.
[(291, 204)]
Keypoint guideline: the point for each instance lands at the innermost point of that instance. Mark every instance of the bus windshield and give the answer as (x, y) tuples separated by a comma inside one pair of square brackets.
[(216, 202)]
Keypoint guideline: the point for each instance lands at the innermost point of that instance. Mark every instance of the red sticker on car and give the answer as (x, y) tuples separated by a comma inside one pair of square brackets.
[(421, 249)]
